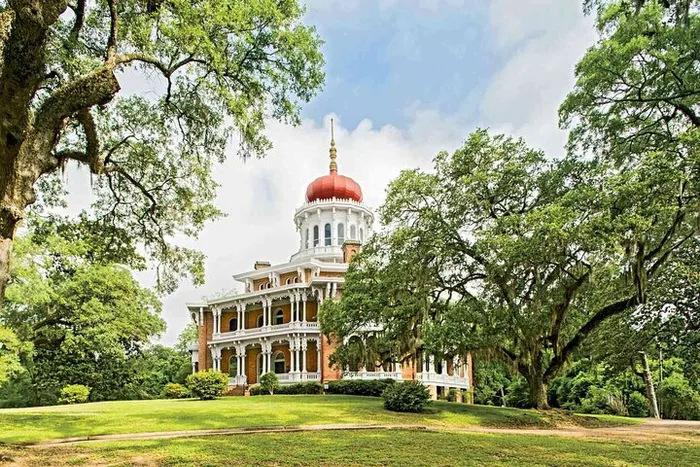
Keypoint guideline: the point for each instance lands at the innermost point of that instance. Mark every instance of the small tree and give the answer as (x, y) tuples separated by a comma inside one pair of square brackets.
[(207, 385), (269, 382), (74, 394)]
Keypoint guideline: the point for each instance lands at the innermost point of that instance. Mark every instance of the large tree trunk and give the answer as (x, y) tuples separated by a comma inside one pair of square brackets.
[(538, 392), (7, 230), (649, 385)]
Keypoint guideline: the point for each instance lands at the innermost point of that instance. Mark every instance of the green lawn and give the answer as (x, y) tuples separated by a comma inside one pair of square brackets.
[(372, 447), (40, 423)]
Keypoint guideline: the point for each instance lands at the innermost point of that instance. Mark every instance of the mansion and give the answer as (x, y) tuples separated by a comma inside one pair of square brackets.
[(272, 324)]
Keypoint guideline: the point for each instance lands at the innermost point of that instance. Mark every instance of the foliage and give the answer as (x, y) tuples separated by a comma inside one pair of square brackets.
[(10, 347), (74, 394), (82, 314), (207, 385), (186, 337), (452, 395), (269, 382), (637, 405), (357, 387), (678, 399), (175, 391), (220, 68), (490, 379), (518, 394), (407, 396), (289, 389)]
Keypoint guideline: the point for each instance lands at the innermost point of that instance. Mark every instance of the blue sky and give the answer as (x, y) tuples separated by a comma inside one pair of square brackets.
[(381, 62)]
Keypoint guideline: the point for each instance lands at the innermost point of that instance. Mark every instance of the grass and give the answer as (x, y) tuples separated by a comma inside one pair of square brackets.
[(41, 423), (371, 447)]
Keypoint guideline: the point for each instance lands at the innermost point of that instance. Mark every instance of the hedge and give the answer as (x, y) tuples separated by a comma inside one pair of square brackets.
[(372, 387), (290, 389)]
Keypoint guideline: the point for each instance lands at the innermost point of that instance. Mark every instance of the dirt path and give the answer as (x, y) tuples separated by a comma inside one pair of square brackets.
[(651, 429)]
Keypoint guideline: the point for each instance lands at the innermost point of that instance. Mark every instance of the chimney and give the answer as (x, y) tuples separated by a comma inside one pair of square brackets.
[(350, 249), (261, 265)]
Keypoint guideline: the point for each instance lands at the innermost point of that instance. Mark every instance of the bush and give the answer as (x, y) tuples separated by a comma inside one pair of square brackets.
[(291, 389), (518, 394), (679, 401), (372, 387), (207, 385), (602, 401), (74, 394), (452, 395), (175, 391), (637, 405), (408, 396), (269, 382)]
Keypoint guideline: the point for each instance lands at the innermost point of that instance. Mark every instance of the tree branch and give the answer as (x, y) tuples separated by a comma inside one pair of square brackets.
[(600, 316), (79, 11), (113, 31)]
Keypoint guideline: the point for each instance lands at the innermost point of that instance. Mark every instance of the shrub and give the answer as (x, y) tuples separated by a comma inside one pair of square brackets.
[(291, 389), (174, 391), (269, 382), (637, 405), (372, 387), (678, 399), (518, 394), (408, 396), (74, 394), (207, 385), (602, 401), (452, 395)]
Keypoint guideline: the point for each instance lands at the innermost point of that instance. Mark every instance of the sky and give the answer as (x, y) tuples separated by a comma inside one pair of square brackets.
[(405, 80)]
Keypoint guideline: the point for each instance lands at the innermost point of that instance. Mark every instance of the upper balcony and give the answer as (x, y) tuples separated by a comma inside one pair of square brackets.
[(324, 253), (267, 331)]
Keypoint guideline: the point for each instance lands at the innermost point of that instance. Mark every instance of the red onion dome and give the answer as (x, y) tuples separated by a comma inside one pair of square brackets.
[(334, 186)]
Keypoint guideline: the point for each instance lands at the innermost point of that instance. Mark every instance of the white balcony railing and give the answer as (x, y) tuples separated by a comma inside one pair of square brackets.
[(266, 330), (288, 378), (443, 380)]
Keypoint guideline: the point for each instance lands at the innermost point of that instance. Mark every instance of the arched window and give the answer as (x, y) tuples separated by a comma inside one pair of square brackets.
[(233, 324), (262, 286), (260, 321), (296, 279), (233, 366), (362, 235), (341, 234), (353, 232), (269, 284), (306, 239), (315, 235), (278, 359), (327, 234), (279, 317), (288, 281)]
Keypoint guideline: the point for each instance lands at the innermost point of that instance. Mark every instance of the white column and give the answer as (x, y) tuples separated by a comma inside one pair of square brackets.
[(318, 356), (431, 364), (303, 301), (303, 355), (269, 359), (193, 367), (334, 290), (264, 305), (444, 367), (297, 305), (242, 316)]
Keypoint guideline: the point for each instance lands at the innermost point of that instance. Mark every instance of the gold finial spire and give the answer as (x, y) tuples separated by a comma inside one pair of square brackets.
[(333, 151)]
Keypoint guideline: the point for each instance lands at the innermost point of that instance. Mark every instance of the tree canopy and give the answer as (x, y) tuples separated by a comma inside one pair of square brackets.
[(219, 68)]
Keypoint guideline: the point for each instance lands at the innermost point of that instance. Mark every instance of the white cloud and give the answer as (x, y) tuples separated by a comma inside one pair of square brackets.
[(523, 97)]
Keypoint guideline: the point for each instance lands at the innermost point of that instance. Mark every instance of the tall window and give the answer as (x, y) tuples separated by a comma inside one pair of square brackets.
[(327, 234), (278, 359), (233, 366), (315, 235), (362, 235), (341, 234), (279, 317), (353, 232), (233, 324), (260, 321), (306, 239)]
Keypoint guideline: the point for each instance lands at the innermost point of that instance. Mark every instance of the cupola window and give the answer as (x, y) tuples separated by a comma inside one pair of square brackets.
[(341, 234)]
